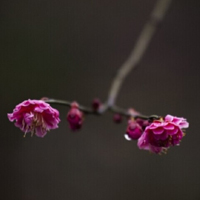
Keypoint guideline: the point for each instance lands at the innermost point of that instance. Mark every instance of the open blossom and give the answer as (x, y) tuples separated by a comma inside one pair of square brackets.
[(35, 116), (75, 117), (160, 135)]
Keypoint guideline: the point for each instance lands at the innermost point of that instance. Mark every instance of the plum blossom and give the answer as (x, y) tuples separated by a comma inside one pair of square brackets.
[(35, 116), (162, 134)]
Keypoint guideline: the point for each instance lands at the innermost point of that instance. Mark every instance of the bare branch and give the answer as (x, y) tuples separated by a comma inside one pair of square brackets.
[(139, 49), (113, 109)]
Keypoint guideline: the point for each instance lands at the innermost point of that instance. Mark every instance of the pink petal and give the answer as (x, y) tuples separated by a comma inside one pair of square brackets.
[(158, 130), (173, 132), (143, 142), (155, 149), (184, 124), (169, 118), (40, 132), (169, 127), (10, 116), (28, 118)]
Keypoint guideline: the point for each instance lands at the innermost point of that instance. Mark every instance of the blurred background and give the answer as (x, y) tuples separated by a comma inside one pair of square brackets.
[(72, 49)]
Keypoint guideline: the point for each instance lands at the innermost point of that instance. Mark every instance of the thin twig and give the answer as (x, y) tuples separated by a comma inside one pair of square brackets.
[(113, 109), (139, 49), (67, 103)]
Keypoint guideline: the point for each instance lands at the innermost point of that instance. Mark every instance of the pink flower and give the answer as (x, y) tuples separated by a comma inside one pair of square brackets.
[(160, 135), (35, 116), (134, 130), (75, 117)]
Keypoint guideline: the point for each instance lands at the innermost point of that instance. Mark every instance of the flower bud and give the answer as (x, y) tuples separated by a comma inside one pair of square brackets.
[(134, 130), (96, 103), (117, 118), (75, 117)]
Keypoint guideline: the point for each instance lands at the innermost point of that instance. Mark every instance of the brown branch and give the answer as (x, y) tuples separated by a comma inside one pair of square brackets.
[(139, 49), (113, 109)]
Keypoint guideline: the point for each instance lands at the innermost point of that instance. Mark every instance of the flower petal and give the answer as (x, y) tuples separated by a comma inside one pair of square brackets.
[(40, 132), (169, 118), (169, 126), (158, 130)]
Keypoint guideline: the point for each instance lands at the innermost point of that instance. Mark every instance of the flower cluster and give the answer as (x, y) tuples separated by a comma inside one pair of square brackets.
[(159, 135), (38, 117)]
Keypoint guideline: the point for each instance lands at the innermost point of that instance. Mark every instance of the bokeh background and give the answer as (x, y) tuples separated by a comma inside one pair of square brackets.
[(71, 49)]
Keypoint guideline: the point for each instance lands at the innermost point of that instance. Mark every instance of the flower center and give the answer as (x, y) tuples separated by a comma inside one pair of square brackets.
[(32, 122)]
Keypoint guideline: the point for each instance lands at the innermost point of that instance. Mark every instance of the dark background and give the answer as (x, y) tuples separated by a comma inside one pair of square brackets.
[(71, 49)]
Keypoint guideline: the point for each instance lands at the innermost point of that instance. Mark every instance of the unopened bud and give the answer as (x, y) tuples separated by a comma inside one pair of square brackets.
[(96, 103), (134, 130), (117, 118), (75, 117)]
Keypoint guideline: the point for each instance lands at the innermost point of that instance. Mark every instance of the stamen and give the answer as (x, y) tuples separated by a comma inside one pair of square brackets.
[(32, 132), (23, 124)]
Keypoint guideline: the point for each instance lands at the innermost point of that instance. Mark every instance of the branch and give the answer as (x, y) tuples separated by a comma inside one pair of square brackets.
[(139, 49), (100, 111)]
